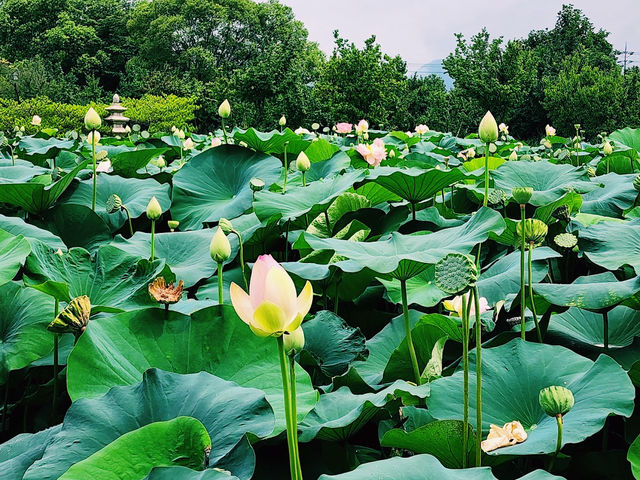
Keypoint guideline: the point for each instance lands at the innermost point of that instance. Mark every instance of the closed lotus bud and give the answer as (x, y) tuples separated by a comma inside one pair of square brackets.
[(534, 230), (180, 134), (315, 126), (173, 224), (226, 226), (566, 240), (224, 110), (455, 272), (522, 195), (93, 138), (188, 144), (607, 148), (36, 121), (256, 184), (488, 130), (514, 156), (294, 341), (556, 400), (546, 143), (92, 120), (636, 183), (302, 162), (220, 248), (114, 203), (161, 162), (154, 210), (283, 121)]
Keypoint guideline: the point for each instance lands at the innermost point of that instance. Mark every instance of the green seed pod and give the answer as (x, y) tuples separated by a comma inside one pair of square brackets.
[(636, 183), (114, 203), (556, 400), (534, 230), (522, 195), (488, 129), (256, 184), (173, 224), (225, 225), (497, 197), (566, 240), (455, 272)]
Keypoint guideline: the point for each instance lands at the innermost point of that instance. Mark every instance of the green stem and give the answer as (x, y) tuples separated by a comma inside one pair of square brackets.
[(533, 305), (5, 405), (153, 240), (523, 302), (304, 179), (128, 219), (286, 242), (558, 441), (286, 168), (244, 275), (55, 363), (287, 408), (95, 174), (465, 383), (605, 328), (476, 297), (220, 294), (407, 330), (224, 133), (486, 176), (294, 413)]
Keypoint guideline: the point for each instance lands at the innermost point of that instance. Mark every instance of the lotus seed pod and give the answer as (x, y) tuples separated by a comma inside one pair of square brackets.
[(154, 210), (455, 272), (220, 248), (224, 110), (92, 120), (591, 171), (607, 148), (315, 126), (496, 197), (556, 400), (173, 224), (294, 341), (114, 203), (225, 225), (488, 129), (636, 183), (534, 230), (302, 162), (256, 184), (514, 156), (522, 195), (102, 154), (566, 240), (283, 121), (74, 318)]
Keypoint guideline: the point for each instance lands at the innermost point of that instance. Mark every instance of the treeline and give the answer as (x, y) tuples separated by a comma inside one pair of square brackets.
[(259, 57)]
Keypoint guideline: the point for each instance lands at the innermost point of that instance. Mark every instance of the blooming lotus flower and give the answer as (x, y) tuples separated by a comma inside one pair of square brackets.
[(271, 308), (36, 120), (300, 131), (216, 142), (362, 127), (455, 305), (373, 153), (188, 144), (503, 128), (421, 129), (104, 166), (343, 127), (549, 131)]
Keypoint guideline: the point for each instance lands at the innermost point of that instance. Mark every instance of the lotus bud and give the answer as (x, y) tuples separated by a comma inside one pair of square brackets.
[(566, 240), (114, 203), (546, 143), (488, 130), (636, 183), (294, 341), (127, 129), (256, 184), (36, 121), (556, 400), (607, 148), (93, 138), (283, 121), (302, 162), (161, 162), (315, 126), (224, 110), (180, 134), (220, 248), (514, 156), (392, 153), (92, 120), (534, 230), (522, 195), (173, 224), (188, 144), (225, 225), (154, 210), (455, 272)]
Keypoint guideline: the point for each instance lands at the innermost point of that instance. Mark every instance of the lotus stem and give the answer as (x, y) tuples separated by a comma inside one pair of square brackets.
[(224, 132), (523, 302), (530, 282), (220, 291), (286, 242), (465, 381), (605, 328), (486, 176), (287, 408), (95, 174), (56, 339), (286, 168), (241, 247), (558, 441), (128, 219), (476, 297), (5, 404), (294, 413), (304, 179), (153, 240), (407, 330)]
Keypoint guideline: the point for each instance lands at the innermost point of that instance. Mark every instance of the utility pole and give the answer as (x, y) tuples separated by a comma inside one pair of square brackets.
[(626, 58)]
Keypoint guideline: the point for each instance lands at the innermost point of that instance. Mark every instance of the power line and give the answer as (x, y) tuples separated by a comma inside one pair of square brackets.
[(626, 59)]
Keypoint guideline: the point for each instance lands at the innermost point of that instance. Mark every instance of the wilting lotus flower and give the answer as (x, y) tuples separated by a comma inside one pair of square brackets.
[(216, 142), (510, 434), (300, 131), (165, 294), (36, 120), (421, 129), (549, 130), (104, 166), (455, 305), (373, 153), (188, 144), (343, 127), (362, 127), (271, 307)]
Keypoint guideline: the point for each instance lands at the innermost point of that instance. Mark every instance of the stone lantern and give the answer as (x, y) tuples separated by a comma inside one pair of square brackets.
[(118, 120)]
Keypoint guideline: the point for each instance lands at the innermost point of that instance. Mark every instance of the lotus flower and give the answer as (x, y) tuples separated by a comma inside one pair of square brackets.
[(373, 153), (104, 166), (188, 144), (549, 131), (271, 308), (301, 131), (36, 121), (455, 305), (343, 127), (422, 129), (510, 434), (503, 128), (362, 127), (216, 142)]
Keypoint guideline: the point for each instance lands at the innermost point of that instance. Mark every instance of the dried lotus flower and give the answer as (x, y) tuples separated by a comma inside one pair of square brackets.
[(507, 435), (165, 294)]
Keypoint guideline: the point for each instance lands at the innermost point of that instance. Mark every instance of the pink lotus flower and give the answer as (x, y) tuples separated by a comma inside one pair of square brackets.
[(216, 142), (344, 127), (422, 129), (373, 153), (455, 305), (271, 308), (362, 127), (104, 166)]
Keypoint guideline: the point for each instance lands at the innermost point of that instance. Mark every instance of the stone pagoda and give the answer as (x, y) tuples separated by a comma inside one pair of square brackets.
[(116, 117)]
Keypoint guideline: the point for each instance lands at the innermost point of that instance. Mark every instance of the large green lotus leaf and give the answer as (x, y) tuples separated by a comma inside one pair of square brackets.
[(17, 226), (273, 142), (593, 292), (227, 411), (134, 193), (627, 136), (215, 184), (127, 164), (377, 194), (117, 350), (19, 453), (24, 316), (421, 289), (297, 201), (20, 172), (549, 181), (319, 170), (182, 441), (40, 149), (184, 473), (612, 245), (633, 455), (614, 193), (37, 197), (321, 150), (443, 439), (571, 200), (384, 256), (66, 221), (340, 414), (112, 279), (513, 375), (585, 327), (13, 251), (414, 184)]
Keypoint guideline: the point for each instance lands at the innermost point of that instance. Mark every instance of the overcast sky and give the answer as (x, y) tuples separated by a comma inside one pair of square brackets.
[(422, 30)]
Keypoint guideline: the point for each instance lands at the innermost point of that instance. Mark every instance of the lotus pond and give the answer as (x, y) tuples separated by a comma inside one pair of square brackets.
[(348, 304)]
